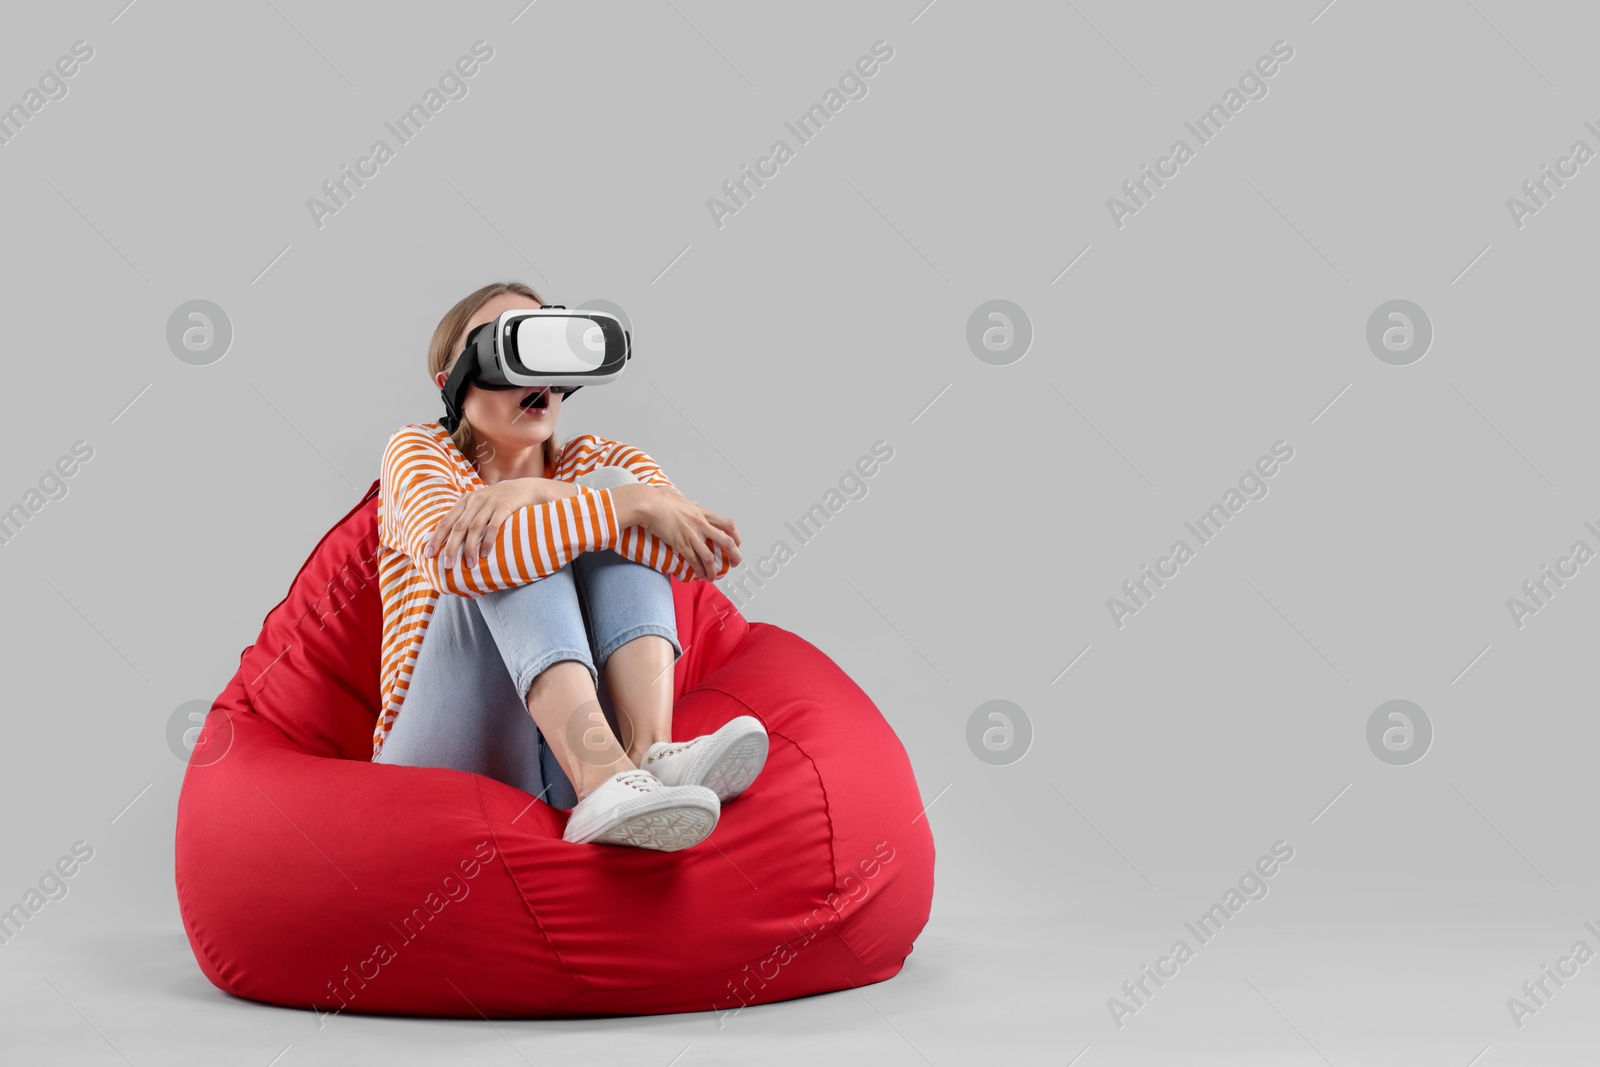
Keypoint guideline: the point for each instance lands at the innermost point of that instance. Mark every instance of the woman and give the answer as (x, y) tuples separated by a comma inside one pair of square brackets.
[(539, 576)]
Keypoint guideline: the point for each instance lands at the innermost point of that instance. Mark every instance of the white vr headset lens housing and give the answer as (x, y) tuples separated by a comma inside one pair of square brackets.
[(549, 346)]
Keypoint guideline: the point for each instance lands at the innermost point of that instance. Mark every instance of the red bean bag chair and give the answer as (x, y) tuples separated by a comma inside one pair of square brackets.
[(309, 876)]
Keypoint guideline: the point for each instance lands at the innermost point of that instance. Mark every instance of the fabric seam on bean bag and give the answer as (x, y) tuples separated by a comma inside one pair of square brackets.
[(313, 555), (833, 865), (251, 688), (477, 787)]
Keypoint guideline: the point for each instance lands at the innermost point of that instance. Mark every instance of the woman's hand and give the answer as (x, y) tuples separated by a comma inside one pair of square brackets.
[(471, 525), (686, 527)]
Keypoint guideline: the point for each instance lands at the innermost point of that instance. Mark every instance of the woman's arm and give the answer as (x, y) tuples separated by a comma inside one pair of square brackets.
[(419, 485), (708, 540), (644, 468), (583, 454), (643, 542)]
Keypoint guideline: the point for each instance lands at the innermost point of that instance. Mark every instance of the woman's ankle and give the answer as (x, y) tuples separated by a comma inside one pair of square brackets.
[(592, 777), (637, 750)]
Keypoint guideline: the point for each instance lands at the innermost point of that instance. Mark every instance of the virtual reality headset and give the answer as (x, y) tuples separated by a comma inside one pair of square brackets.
[(527, 347)]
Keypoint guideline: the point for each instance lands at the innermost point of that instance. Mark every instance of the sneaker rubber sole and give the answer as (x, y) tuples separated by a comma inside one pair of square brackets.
[(735, 768), (665, 824)]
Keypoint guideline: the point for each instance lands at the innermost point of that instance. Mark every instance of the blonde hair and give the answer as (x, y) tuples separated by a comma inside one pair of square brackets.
[(442, 349)]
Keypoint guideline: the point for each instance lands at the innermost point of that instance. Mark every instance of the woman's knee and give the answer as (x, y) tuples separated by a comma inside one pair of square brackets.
[(607, 477)]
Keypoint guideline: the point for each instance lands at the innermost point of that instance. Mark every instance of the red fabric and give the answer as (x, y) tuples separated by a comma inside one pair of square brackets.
[(308, 876)]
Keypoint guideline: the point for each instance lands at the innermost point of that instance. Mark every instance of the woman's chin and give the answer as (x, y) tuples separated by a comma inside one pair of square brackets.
[(531, 429)]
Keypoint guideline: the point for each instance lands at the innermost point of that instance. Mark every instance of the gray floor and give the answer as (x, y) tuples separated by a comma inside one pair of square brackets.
[(138, 998), (1031, 990)]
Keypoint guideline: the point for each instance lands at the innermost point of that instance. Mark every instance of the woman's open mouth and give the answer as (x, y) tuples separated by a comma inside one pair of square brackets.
[(536, 402)]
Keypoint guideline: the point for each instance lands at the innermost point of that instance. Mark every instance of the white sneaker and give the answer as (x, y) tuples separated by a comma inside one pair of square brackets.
[(636, 808), (726, 762)]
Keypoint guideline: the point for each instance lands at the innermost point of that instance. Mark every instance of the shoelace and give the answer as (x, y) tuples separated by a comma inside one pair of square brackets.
[(643, 781), (670, 750)]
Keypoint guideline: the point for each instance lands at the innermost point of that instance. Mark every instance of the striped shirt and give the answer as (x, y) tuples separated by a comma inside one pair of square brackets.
[(423, 476)]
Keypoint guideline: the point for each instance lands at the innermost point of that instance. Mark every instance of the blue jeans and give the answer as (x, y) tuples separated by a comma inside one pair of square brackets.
[(467, 708)]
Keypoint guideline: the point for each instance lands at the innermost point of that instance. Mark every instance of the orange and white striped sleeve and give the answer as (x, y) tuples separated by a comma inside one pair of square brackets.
[(419, 484), (583, 454), (635, 460)]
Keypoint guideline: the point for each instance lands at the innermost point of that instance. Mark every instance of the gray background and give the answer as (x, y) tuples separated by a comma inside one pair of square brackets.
[(830, 313)]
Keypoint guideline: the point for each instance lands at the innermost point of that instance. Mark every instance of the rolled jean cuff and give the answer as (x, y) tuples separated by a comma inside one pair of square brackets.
[(549, 659), (669, 632)]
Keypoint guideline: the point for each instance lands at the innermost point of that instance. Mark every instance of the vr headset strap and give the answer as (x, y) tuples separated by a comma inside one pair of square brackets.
[(455, 388)]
